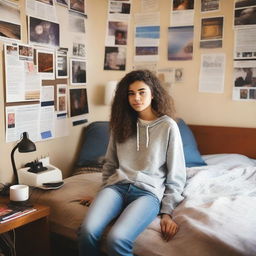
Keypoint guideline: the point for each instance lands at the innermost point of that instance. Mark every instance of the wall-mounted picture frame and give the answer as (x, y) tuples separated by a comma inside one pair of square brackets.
[(77, 71), (43, 32), (78, 101), (46, 64), (62, 63), (77, 6)]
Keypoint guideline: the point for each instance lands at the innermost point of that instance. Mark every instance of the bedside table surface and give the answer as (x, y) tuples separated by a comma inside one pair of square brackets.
[(41, 212)]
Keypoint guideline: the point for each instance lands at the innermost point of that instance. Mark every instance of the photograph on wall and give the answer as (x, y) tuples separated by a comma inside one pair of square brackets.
[(245, 77), (78, 72), (245, 43), (10, 30), (115, 58), (180, 43), (245, 13), (245, 73), (210, 5), (10, 23), (26, 52), (252, 94), (62, 63), (178, 5), (11, 120), (78, 49), (77, 6), (62, 2), (78, 102), (62, 98), (119, 7), (182, 13), (178, 75), (46, 64), (43, 32), (117, 33), (212, 32)]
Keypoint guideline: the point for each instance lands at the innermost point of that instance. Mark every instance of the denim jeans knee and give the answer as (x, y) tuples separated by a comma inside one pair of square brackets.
[(135, 209), (137, 215)]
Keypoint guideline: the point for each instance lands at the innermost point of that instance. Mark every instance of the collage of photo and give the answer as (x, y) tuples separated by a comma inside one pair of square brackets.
[(245, 50), (43, 58), (117, 35)]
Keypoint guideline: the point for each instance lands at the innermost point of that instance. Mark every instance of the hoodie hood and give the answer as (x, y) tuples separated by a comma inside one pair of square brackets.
[(143, 130)]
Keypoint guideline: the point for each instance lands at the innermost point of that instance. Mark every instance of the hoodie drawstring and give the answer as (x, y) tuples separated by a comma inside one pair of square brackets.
[(138, 137), (147, 136)]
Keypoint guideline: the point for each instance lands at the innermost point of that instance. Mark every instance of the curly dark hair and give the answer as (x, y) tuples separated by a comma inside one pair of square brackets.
[(123, 117)]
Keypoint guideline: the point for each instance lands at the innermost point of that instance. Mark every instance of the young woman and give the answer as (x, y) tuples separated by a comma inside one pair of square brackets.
[(144, 173)]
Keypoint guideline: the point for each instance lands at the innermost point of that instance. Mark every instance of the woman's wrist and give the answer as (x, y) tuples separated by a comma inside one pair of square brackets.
[(165, 215)]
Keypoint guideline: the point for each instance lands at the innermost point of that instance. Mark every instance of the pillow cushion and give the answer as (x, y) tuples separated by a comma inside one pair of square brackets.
[(192, 155), (95, 144)]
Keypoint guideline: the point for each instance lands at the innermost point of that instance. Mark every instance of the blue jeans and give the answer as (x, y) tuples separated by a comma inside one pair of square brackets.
[(135, 208)]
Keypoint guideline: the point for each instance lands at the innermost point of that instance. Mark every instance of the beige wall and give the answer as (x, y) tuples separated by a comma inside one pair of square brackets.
[(192, 106)]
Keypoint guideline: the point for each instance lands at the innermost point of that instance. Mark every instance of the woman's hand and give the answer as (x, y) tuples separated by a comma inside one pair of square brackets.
[(168, 227)]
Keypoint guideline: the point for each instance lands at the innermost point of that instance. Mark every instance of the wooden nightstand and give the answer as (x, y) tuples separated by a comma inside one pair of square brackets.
[(31, 231)]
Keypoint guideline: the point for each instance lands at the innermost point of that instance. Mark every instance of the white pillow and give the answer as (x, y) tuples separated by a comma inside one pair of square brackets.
[(229, 160)]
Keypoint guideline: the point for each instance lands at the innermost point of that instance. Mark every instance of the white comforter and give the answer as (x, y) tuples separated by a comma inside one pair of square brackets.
[(218, 216)]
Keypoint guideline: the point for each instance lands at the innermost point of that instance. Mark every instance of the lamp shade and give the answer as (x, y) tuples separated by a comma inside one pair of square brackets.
[(110, 89), (26, 145)]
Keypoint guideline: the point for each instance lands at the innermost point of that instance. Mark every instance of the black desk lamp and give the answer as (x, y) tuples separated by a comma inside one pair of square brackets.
[(24, 146)]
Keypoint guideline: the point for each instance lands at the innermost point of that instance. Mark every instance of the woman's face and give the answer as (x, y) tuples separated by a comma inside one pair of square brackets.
[(140, 97)]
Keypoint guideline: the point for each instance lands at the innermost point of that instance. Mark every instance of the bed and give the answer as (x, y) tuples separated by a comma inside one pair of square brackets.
[(217, 217)]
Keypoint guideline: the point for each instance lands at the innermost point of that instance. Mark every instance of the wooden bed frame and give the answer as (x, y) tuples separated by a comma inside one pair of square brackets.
[(220, 139)]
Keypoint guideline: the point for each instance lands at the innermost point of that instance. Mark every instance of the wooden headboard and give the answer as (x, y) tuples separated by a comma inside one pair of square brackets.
[(219, 139)]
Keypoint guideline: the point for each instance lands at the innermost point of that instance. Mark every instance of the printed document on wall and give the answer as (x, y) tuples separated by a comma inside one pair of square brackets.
[(41, 9), (212, 73), (245, 43), (25, 85), (19, 119), (47, 116)]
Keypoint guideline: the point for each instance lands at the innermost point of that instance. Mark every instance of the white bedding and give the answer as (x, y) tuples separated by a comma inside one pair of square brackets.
[(218, 216)]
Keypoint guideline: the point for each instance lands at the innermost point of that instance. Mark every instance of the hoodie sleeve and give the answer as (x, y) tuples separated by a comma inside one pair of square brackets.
[(176, 172), (111, 161)]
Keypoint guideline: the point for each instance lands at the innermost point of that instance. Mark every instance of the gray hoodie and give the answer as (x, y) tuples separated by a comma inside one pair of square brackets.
[(153, 160)]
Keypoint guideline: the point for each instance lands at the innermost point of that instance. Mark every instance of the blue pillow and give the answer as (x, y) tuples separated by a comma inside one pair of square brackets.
[(95, 144), (192, 155)]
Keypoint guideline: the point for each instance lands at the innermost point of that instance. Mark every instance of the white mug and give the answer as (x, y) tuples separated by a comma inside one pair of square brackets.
[(19, 193)]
